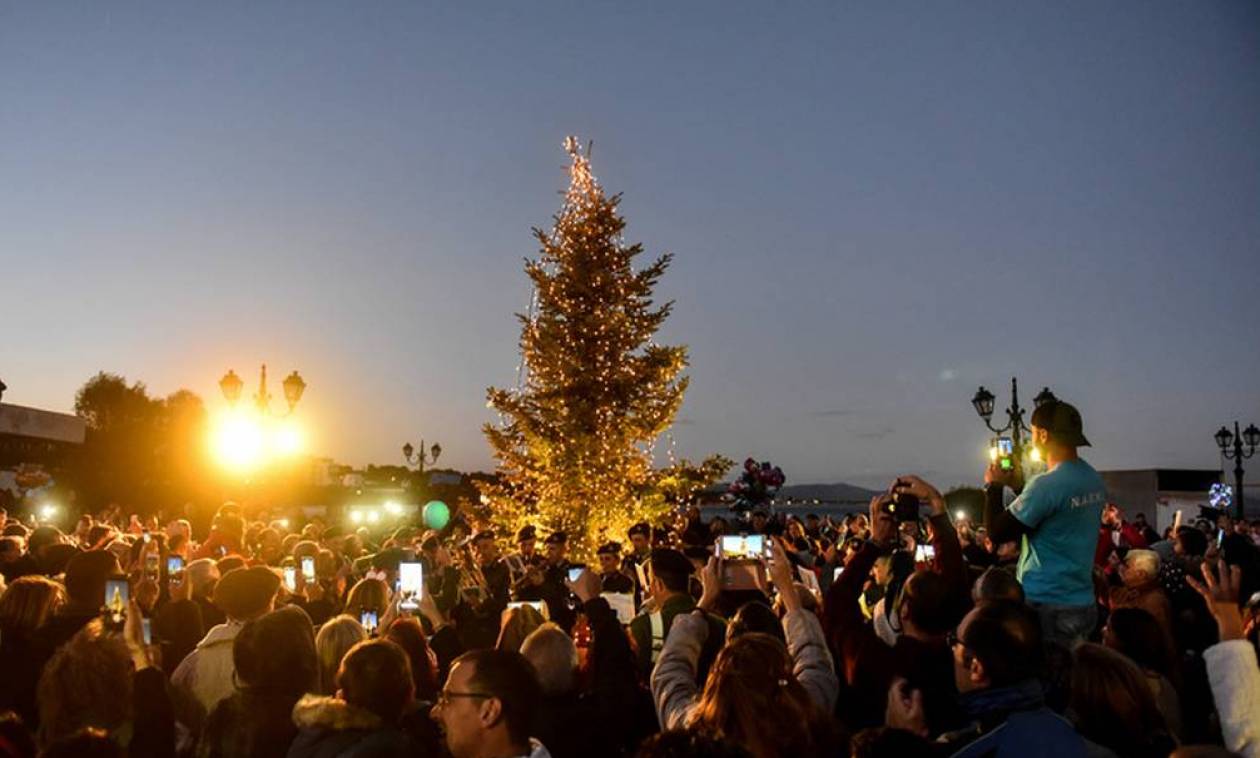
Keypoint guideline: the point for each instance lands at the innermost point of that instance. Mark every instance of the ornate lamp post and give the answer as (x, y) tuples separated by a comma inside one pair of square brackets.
[(1225, 440), (421, 459), (983, 403), (294, 386)]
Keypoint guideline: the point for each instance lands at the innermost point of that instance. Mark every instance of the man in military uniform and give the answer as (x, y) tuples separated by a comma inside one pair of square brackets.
[(525, 558), (669, 573), (478, 619), (635, 564), (611, 577)]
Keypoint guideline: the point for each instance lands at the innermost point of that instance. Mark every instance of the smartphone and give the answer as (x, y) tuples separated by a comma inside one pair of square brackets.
[(410, 584), (114, 605), (575, 572), (368, 620), (290, 578), (151, 566), (742, 546), (1220, 537), (146, 536), (308, 568), (175, 568), (146, 627), (924, 553), (839, 572), (117, 594)]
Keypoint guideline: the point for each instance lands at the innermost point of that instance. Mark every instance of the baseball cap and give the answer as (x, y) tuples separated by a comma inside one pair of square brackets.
[(1062, 421)]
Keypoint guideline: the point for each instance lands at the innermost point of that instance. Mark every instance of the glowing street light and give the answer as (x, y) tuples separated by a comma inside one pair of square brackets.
[(983, 401), (244, 440)]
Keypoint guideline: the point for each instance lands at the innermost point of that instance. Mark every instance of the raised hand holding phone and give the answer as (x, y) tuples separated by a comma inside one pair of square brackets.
[(883, 528), (783, 576), (586, 585)]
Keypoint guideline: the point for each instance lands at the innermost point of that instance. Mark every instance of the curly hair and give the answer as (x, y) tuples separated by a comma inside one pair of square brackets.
[(88, 682)]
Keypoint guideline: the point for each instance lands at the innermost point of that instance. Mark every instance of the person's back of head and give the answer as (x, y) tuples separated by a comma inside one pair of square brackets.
[(334, 640), (367, 595), (684, 743), (997, 585), (1113, 704), (41, 537), (1191, 541), (87, 682), (88, 742), (86, 575), (246, 593), (1138, 635), (928, 602), (376, 677), (755, 616), (515, 625), (203, 574), (407, 633), (671, 568), (753, 698), (1141, 566), (276, 652), (554, 658), (28, 603), (1005, 638)]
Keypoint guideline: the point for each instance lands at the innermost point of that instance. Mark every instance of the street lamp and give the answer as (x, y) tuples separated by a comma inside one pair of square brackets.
[(1225, 439), (294, 386), (421, 459), (983, 403)]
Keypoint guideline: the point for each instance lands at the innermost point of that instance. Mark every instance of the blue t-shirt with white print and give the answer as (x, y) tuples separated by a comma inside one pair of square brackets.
[(1062, 509)]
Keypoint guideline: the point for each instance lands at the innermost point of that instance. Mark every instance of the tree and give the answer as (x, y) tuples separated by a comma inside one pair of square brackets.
[(573, 443), (141, 452)]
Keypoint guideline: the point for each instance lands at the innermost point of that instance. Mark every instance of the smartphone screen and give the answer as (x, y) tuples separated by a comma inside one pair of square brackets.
[(410, 584), (290, 578), (839, 572), (117, 595), (755, 546), (732, 546), (368, 620), (575, 572), (175, 567), (924, 553), (1006, 446), (308, 567), (146, 626), (1220, 537), (151, 566)]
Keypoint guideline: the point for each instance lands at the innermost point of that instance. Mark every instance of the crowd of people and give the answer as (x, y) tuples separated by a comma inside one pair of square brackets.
[(1052, 625)]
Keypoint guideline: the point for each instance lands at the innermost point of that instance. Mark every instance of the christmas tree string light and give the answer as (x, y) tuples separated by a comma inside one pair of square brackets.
[(594, 390)]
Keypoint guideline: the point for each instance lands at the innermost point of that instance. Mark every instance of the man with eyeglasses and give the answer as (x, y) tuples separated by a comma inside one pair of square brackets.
[(487, 706), (997, 653)]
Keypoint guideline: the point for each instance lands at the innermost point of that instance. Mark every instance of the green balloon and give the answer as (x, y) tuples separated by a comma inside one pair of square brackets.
[(436, 514)]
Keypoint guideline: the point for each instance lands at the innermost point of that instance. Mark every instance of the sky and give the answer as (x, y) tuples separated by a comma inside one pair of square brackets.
[(874, 208)]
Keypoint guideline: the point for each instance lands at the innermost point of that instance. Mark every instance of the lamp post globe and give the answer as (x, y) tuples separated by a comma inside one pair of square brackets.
[(294, 386), (983, 403), (1224, 438), (231, 386)]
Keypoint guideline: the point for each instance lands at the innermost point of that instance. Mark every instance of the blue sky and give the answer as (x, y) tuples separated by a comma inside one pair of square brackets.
[(874, 208)]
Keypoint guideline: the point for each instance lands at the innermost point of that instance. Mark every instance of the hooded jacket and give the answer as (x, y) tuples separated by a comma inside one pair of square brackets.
[(332, 728), (203, 679)]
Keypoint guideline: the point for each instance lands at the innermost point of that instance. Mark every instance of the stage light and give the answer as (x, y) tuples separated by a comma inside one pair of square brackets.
[(392, 508), (373, 516), (47, 512), (960, 515), (356, 517)]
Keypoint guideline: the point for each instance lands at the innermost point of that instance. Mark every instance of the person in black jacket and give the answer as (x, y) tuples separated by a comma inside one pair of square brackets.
[(276, 665), (374, 693)]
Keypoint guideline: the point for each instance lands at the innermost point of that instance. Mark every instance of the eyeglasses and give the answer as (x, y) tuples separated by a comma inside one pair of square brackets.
[(445, 697)]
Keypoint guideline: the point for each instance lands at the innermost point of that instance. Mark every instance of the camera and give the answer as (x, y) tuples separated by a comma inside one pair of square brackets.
[(902, 506)]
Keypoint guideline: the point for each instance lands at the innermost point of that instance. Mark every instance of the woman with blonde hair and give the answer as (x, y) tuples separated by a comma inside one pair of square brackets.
[(515, 625), (335, 637), (367, 595), (24, 607)]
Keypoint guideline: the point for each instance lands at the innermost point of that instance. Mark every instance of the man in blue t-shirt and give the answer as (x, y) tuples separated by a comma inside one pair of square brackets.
[(1055, 518)]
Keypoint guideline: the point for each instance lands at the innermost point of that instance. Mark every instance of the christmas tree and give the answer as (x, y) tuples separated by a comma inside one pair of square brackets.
[(595, 391)]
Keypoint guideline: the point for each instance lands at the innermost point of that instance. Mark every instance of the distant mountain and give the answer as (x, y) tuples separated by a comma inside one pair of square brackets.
[(839, 491)]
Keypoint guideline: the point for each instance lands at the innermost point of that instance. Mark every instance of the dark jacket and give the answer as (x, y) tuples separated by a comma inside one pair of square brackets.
[(641, 632), (867, 666), (21, 660), (1013, 721), (251, 723), (332, 728)]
